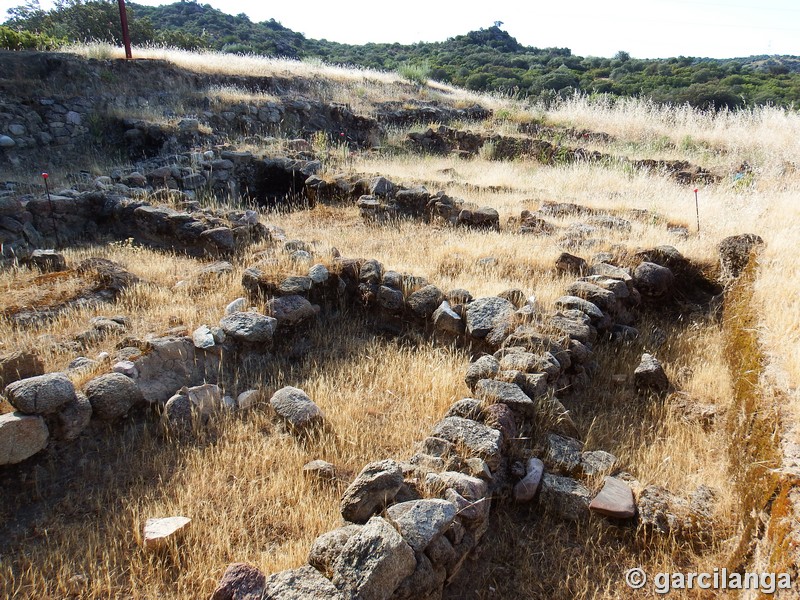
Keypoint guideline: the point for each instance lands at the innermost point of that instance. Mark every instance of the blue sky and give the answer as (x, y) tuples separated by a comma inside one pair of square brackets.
[(644, 28)]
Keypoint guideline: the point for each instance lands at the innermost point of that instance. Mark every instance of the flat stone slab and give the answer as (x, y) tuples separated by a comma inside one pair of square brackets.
[(614, 500), (158, 532), (493, 391), (249, 327)]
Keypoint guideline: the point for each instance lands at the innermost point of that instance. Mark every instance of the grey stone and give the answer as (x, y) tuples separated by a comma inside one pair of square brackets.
[(565, 497), (574, 328), (493, 391), (614, 500), (319, 274), (424, 302), (112, 395), (291, 311), (734, 254), (661, 510), (327, 547), (475, 438), (21, 436), (390, 298), (218, 241), (467, 408), (597, 462), (484, 217), (653, 281), (178, 415), (381, 187), (563, 454), (604, 299), (296, 409), (206, 398), (295, 285), (43, 394), (649, 375), (73, 418), (202, 337), (373, 562), (528, 362), (484, 314), (303, 583), (486, 367), (441, 553), (371, 272), (426, 582), (375, 486), (501, 417), (47, 261), (320, 470), (238, 305), (420, 521), (471, 488), (247, 399), (445, 320), (571, 264), (19, 365), (7, 142), (526, 488), (251, 327)]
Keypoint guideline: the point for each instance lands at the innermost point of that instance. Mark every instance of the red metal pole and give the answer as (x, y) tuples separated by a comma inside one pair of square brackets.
[(126, 38)]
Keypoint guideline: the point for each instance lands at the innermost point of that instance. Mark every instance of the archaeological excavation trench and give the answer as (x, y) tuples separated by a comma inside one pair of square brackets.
[(518, 467), (333, 428)]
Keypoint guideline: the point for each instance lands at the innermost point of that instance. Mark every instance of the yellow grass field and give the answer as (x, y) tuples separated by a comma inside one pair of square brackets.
[(241, 480)]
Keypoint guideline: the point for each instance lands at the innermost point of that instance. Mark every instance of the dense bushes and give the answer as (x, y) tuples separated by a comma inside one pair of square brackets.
[(11, 39)]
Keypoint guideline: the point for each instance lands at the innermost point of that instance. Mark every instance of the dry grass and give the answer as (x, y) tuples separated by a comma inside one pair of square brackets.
[(241, 480)]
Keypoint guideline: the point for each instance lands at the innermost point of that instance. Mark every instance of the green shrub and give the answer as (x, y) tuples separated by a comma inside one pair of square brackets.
[(11, 39), (418, 73)]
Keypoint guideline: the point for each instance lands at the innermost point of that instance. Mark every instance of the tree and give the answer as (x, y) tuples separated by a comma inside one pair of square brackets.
[(622, 56)]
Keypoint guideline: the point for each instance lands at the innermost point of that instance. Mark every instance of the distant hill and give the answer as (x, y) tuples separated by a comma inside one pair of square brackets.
[(485, 60)]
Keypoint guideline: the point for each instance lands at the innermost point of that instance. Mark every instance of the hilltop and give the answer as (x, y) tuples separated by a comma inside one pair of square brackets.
[(485, 60)]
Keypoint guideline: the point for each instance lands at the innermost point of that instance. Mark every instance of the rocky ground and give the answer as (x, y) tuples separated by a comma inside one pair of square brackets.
[(345, 353)]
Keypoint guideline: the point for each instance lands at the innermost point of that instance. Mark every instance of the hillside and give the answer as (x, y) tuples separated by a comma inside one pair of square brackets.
[(485, 60), (276, 329)]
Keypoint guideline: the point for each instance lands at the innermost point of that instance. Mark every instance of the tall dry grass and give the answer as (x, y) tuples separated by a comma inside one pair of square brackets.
[(83, 507)]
